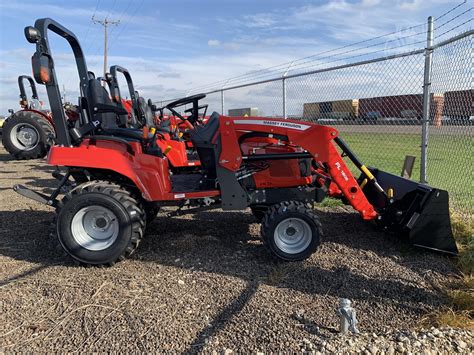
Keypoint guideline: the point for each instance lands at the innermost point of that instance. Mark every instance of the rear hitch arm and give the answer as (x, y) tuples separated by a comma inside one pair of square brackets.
[(50, 200)]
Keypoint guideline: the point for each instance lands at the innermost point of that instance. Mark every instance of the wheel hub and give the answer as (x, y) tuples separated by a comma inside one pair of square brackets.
[(293, 235), (291, 231), (95, 227), (100, 223), (24, 136)]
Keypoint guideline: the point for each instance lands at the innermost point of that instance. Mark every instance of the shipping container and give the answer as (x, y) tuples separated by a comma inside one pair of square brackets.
[(239, 112), (345, 109), (311, 111), (459, 104), (399, 106), (340, 109)]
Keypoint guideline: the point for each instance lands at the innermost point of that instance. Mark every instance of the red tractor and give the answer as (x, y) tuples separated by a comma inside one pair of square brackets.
[(169, 133), (28, 133), (115, 177)]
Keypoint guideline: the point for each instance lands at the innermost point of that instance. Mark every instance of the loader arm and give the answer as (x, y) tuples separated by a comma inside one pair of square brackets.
[(318, 141), (401, 205)]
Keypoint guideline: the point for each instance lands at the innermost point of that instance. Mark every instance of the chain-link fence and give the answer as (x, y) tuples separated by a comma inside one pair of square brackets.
[(383, 100), (450, 154)]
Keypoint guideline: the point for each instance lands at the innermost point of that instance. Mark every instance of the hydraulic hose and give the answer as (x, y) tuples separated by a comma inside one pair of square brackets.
[(349, 153)]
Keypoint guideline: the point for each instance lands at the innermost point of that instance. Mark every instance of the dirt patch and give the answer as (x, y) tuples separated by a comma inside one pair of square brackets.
[(201, 282)]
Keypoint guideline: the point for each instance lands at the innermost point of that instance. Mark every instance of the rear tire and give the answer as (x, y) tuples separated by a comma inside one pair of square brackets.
[(100, 223), (27, 135), (291, 230)]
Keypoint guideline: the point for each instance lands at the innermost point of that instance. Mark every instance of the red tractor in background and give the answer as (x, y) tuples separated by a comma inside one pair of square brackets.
[(29, 132), (115, 177), (169, 132)]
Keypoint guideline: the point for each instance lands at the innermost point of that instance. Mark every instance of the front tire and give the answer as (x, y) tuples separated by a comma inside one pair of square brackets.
[(291, 230), (100, 223), (259, 212), (151, 211), (27, 135)]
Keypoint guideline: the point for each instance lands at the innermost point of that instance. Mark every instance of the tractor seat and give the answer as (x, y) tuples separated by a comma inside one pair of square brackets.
[(201, 137), (135, 135), (146, 112), (165, 126), (98, 95)]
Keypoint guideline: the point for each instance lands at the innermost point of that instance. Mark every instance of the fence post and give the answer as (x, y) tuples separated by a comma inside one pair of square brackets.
[(426, 100), (285, 116), (222, 102)]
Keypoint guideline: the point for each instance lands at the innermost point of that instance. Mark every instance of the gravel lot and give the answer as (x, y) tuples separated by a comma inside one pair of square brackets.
[(205, 282)]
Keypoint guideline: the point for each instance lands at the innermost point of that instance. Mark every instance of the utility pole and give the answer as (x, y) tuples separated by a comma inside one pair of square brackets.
[(106, 23)]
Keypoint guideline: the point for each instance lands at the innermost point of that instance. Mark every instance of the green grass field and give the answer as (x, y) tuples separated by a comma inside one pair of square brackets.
[(450, 161)]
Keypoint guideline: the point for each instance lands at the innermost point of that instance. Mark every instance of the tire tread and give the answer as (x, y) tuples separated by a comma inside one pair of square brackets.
[(43, 147), (126, 199), (277, 210)]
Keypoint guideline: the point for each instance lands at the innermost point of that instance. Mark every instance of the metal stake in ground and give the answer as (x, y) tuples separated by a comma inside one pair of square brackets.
[(348, 321)]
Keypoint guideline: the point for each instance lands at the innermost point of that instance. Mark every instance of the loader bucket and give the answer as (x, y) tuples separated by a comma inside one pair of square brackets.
[(418, 211)]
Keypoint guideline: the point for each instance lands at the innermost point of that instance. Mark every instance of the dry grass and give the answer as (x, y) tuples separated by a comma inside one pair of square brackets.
[(448, 317), (461, 293), (278, 274), (464, 234)]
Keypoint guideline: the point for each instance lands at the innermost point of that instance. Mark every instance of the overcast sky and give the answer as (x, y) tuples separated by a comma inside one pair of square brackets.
[(172, 46)]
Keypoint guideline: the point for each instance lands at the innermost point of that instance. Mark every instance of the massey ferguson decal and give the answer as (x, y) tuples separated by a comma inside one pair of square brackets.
[(291, 125)]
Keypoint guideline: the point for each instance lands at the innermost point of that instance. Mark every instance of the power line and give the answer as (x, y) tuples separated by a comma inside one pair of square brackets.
[(261, 76), (128, 20), (301, 61), (113, 34), (96, 49), (106, 23), (318, 55), (302, 65), (89, 25)]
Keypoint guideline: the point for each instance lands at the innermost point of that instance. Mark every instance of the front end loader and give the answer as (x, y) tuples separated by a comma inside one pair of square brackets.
[(278, 168)]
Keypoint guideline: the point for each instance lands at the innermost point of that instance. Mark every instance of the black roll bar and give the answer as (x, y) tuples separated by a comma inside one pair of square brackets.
[(115, 89), (21, 85), (44, 72)]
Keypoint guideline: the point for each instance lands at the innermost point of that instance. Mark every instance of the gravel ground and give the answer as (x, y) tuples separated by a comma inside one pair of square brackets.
[(206, 283)]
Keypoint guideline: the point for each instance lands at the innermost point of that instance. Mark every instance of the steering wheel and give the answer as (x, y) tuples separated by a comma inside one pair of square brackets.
[(200, 107), (194, 99), (186, 100)]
